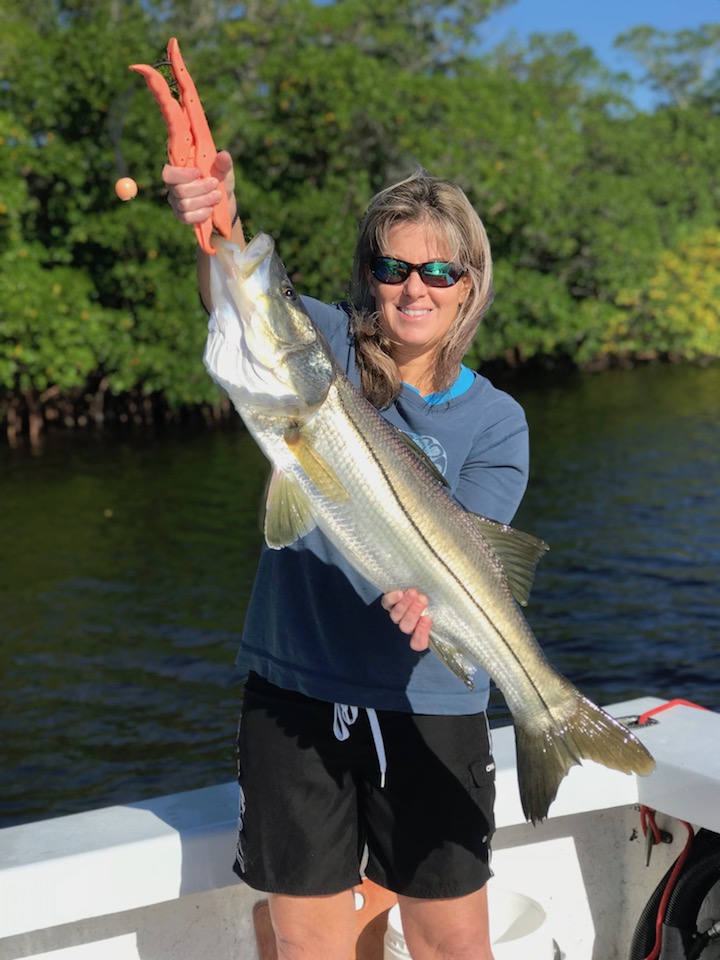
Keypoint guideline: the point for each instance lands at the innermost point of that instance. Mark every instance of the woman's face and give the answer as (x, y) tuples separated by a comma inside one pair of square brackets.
[(413, 315)]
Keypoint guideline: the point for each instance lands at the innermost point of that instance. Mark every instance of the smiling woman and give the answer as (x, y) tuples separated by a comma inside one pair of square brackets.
[(416, 315), (433, 219), (346, 651)]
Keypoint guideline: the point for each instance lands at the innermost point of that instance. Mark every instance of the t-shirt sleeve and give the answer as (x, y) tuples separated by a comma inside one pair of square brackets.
[(331, 319), (494, 476)]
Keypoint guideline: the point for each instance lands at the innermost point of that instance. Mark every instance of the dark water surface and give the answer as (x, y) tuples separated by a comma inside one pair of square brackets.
[(127, 566)]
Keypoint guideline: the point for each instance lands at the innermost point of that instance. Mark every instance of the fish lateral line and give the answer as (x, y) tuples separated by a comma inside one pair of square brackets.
[(446, 650)]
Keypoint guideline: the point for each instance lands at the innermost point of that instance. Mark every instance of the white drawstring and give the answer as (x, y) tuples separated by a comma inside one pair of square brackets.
[(379, 743), (345, 715)]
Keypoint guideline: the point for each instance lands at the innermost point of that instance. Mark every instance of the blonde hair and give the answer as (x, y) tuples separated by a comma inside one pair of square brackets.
[(441, 204)]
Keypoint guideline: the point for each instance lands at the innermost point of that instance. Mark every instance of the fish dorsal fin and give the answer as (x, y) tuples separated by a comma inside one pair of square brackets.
[(287, 512), (421, 455), (518, 552), (318, 471), (454, 660)]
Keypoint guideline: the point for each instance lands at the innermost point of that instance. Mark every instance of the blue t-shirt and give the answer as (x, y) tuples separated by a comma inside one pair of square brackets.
[(316, 626)]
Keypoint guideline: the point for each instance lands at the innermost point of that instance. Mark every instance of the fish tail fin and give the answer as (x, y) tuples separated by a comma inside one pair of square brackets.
[(544, 756)]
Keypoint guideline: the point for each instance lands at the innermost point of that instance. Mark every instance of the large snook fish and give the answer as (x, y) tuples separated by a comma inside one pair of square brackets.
[(340, 466)]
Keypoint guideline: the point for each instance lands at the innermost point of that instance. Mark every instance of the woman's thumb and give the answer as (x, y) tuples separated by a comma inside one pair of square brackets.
[(223, 165)]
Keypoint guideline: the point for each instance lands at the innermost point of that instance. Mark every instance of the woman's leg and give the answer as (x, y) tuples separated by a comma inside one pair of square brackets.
[(314, 928), (454, 929)]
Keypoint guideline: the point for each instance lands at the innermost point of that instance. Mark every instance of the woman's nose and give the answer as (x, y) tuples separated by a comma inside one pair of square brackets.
[(414, 285)]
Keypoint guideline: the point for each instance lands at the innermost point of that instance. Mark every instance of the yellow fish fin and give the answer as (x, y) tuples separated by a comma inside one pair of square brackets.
[(454, 660), (545, 754), (318, 471), (518, 552), (287, 512)]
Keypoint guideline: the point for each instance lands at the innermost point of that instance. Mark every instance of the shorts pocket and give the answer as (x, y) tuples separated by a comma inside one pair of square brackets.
[(482, 794), (482, 772)]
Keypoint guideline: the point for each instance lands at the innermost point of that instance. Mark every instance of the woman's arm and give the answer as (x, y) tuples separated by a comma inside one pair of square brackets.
[(192, 199)]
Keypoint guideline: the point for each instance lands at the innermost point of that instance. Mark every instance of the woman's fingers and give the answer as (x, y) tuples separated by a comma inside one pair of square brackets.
[(191, 196), (420, 639), (408, 609)]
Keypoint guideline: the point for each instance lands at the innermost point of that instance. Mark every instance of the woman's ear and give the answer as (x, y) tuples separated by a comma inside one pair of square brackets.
[(371, 281), (465, 289)]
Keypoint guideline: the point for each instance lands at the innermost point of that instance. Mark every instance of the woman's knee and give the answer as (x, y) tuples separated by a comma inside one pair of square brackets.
[(310, 927), (453, 929)]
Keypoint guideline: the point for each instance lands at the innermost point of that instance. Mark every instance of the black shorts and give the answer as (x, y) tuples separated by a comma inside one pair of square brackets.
[(313, 812)]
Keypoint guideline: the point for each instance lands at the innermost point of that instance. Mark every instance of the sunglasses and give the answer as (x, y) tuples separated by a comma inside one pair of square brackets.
[(434, 273)]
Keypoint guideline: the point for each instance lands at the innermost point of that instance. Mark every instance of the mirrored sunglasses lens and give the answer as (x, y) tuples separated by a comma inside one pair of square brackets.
[(387, 270), (439, 274)]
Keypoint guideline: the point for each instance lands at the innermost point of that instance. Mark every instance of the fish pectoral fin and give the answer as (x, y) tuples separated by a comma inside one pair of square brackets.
[(454, 660), (287, 512), (318, 471), (518, 552)]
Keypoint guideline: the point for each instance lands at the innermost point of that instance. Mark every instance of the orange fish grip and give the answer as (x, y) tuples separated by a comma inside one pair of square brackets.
[(190, 141)]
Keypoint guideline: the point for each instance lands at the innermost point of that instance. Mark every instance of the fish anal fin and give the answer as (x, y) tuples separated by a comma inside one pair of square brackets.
[(454, 660), (544, 756), (318, 471), (518, 553), (287, 512)]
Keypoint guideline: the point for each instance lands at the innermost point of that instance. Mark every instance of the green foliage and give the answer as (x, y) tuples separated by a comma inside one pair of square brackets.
[(534, 316), (682, 67), (90, 290), (599, 215), (677, 314), (602, 192)]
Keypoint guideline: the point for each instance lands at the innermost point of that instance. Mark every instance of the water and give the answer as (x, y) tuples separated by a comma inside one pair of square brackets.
[(626, 489), (128, 565)]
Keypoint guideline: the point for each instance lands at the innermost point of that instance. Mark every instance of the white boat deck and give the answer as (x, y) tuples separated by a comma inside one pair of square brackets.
[(153, 880)]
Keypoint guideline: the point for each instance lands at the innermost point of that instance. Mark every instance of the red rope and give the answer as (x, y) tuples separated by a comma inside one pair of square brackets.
[(647, 819), (672, 881), (644, 717)]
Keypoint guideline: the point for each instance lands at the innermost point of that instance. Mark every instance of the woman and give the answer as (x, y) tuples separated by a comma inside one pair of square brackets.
[(359, 751)]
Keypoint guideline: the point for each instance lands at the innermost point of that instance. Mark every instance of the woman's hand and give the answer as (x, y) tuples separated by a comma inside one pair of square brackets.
[(408, 609), (193, 197)]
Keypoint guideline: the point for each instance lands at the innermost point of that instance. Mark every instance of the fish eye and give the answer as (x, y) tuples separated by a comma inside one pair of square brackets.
[(289, 293)]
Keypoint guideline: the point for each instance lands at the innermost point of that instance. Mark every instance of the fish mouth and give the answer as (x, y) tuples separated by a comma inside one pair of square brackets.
[(243, 263)]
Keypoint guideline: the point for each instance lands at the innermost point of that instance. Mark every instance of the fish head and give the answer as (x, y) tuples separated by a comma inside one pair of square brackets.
[(263, 347)]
